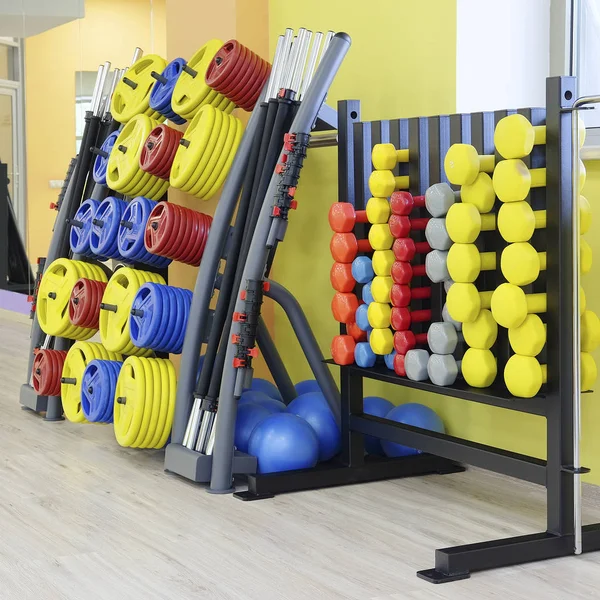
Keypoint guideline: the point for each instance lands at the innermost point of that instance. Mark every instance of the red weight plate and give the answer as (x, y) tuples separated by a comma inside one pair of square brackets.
[(47, 371), (84, 304), (224, 61), (237, 80), (249, 100), (160, 218)]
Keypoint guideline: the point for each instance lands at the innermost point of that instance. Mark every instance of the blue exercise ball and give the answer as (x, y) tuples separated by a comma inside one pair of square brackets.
[(263, 399), (265, 386), (284, 442), (416, 415), (249, 415), (306, 386), (378, 407), (313, 408)]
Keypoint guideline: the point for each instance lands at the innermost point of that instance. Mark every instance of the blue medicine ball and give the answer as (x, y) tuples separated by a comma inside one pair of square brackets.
[(416, 415), (249, 415), (314, 408), (284, 442), (263, 399), (265, 386), (378, 407), (307, 385)]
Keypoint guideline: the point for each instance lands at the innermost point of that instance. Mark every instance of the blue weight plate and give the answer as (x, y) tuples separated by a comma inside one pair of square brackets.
[(172, 342), (145, 328), (186, 298), (131, 240), (98, 385), (160, 96), (79, 237), (101, 163), (103, 239)]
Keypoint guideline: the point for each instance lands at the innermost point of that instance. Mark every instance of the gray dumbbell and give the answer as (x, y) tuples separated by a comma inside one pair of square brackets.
[(436, 234), (448, 319), (443, 338), (436, 266), (415, 364), (439, 198), (443, 369)]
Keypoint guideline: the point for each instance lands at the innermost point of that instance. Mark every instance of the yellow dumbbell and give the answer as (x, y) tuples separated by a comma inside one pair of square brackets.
[(378, 210), (515, 136), (529, 338), (381, 286), (524, 375), (585, 257), (383, 183), (590, 331), (386, 157), (464, 302), (511, 305), (382, 262), (464, 223), (379, 315), (382, 341), (462, 164), (380, 236), (513, 180), (479, 367), (465, 262), (517, 221), (480, 193), (482, 332), (521, 263)]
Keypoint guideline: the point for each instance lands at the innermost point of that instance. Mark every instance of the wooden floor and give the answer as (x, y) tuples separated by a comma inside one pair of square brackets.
[(83, 519)]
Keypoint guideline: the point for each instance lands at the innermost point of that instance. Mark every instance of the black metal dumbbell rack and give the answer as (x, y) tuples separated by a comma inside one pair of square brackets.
[(428, 139)]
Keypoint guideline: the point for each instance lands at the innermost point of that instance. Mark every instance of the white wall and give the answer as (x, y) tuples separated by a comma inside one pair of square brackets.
[(502, 54)]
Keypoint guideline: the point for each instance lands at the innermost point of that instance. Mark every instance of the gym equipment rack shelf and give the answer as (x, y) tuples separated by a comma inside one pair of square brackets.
[(428, 139)]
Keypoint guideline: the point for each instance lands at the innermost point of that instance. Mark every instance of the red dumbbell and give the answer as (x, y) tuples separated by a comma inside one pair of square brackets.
[(406, 248), (358, 335), (341, 277), (403, 203), (401, 295), (399, 368), (343, 217), (342, 349), (402, 272), (344, 247), (343, 307), (402, 318), (401, 225), (407, 340)]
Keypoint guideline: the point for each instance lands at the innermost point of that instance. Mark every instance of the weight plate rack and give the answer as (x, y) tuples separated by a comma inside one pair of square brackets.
[(428, 139)]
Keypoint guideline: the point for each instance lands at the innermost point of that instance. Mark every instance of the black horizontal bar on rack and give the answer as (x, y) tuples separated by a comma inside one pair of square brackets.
[(493, 396), (509, 463)]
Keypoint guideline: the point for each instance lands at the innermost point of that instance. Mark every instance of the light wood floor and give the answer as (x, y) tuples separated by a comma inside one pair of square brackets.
[(82, 519)]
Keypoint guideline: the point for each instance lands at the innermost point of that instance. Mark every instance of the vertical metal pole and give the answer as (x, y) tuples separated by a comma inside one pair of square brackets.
[(275, 68), (137, 54), (97, 89), (575, 22)]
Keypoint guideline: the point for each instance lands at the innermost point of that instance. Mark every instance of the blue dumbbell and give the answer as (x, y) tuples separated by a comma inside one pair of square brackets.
[(363, 355), (362, 269), (389, 360), (361, 317), (367, 295)]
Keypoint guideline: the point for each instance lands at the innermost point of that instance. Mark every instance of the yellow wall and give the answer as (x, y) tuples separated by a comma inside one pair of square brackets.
[(110, 31), (397, 67)]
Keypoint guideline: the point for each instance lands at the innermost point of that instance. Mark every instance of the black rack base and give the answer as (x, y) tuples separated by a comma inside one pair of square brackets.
[(335, 473)]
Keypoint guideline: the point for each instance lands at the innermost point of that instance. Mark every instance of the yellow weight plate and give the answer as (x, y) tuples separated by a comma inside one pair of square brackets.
[(226, 105), (222, 168), (161, 402), (123, 168), (131, 100), (128, 404), (186, 158), (148, 402), (213, 146), (140, 181), (191, 91), (155, 190), (213, 98), (168, 374)]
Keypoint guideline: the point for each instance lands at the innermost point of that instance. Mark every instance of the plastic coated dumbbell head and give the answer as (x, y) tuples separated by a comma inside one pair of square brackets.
[(590, 331), (521, 263), (343, 217), (383, 183), (436, 234), (443, 369), (482, 332), (407, 340), (356, 332), (366, 294), (510, 305), (382, 341), (517, 221), (465, 301), (343, 307), (529, 338), (403, 203), (379, 315), (362, 319), (362, 269), (513, 180), (464, 223), (439, 198), (382, 262), (381, 288), (479, 367), (341, 278), (480, 193), (515, 136), (386, 156), (389, 360), (436, 265), (465, 262), (442, 338), (402, 295), (342, 349), (448, 319), (415, 364), (406, 248), (363, 355), (403, 272), (462, 164), (378, 210)]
